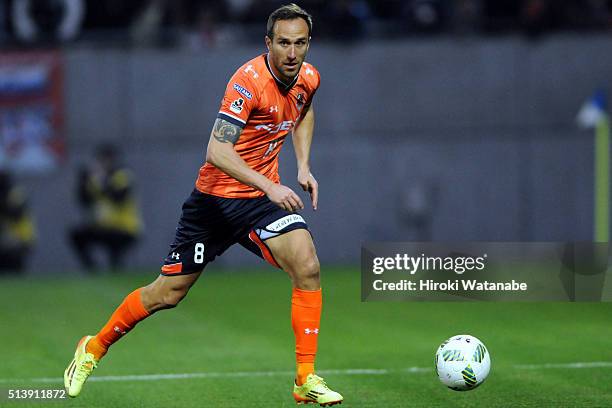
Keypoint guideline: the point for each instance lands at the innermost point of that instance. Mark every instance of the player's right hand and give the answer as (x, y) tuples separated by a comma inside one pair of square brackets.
[(284, 197)]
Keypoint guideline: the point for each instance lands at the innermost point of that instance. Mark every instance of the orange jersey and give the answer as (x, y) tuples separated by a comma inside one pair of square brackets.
[(266, 110)]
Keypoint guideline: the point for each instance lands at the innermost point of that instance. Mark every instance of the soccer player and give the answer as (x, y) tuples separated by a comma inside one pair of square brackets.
[(238, 198)]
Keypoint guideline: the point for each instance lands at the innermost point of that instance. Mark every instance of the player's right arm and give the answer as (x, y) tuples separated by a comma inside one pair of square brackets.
[(221, 154)]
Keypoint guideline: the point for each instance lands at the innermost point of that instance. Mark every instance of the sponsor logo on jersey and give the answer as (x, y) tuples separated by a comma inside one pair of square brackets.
[(237, 105), (284, 222), (271, 128), (243, 91)]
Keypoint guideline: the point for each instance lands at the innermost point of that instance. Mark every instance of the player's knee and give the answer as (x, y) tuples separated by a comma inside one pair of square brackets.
[(312, 268), (307, 271)]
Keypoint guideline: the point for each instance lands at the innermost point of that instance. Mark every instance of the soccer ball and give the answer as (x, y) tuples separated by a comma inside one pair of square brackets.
[(462, 362)]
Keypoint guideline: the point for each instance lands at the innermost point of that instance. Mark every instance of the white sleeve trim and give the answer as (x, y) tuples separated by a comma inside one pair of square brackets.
[(233, 116)]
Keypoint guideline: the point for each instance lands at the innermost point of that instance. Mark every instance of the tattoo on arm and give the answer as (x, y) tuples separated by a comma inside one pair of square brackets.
[(226, 132)]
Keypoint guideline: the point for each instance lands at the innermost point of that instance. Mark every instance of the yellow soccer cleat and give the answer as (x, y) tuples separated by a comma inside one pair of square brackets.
[(79, 369), (315, 391)]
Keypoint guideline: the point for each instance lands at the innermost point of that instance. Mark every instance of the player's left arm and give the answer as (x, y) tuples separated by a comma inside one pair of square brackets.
[(302, 139)]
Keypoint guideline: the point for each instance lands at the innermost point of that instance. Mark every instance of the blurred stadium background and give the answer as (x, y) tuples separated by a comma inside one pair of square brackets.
[(443, 120), (436, 120)]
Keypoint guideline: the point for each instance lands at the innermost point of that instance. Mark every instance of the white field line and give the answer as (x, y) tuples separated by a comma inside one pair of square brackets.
[(241, 374), (592, 364), (231, 374)]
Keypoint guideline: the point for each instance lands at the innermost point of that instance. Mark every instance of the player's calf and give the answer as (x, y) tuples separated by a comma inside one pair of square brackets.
[(166, 292)]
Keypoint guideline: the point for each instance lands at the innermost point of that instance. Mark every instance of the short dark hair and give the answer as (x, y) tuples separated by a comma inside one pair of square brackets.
[(288, 12)]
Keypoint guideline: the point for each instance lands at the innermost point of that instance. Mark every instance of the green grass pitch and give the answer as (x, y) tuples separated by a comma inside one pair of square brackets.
[(235, 323)]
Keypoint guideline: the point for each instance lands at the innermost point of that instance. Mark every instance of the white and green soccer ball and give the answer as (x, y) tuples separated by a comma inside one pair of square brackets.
[(462, 362)]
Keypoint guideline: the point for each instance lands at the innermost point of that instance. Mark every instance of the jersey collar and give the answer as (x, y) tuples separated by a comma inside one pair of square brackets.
[(285, 87)]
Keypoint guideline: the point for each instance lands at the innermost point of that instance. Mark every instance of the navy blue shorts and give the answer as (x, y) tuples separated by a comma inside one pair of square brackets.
[(209, 225)]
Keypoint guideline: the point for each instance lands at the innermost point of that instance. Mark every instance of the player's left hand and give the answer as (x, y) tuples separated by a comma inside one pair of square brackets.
[(309, 183)]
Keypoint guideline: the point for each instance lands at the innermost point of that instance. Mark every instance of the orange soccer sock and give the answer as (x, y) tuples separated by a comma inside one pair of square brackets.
[(125, 317), (305, 319)]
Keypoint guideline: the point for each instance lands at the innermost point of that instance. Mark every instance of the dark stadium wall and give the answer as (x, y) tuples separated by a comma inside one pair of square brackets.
[(433, 139)]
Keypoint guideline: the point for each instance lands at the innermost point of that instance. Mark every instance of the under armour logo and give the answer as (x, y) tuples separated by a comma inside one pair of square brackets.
[(309, 71), (311, 331), (118, 330), (273, 108), (175, 255), (249, 68)]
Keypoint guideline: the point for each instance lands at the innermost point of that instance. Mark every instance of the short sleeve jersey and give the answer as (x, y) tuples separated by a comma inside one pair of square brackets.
[(266, 110)]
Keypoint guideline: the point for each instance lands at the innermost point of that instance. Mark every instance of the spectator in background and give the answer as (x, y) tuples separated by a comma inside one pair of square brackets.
[(345, 19), (3, 22), (205, 29), (467, 16), (16, 225), (538, 16), (426, 16), (106, 191), (588, 14), (47, 20)]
